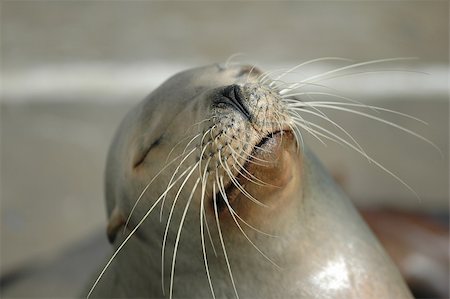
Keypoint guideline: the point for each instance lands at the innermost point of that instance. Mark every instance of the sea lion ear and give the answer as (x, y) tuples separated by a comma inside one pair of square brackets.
[(115, 224)]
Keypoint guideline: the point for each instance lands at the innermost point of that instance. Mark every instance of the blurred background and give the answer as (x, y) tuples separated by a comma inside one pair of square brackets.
[(70, 70)]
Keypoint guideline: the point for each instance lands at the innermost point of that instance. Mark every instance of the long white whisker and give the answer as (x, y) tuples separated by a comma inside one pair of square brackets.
[(262, 79), (371, 159), (249, 73), (370, 72), (209, 233), (337, 126), (184, 138), (202, 152), (177, 240), (202, 234), (248, 143), (187, 131), (308, 84), (221, 237), (278, 119), (251, 226), (299, 120), (313, 132), (252, 177), (355, 65), (202, 121), (309, 93), (298, 136), (129, 236), (369, 107), (222, 191), (176, 145), (229, 59), (171, 179), (145, 190), (238, 170), (249, 155), (236, 183), (248, 224), (309, 62), (166, 230), (382, 121)]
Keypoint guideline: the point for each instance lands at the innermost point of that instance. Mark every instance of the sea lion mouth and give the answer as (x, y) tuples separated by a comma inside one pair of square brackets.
[(263, 154), (268, 138)]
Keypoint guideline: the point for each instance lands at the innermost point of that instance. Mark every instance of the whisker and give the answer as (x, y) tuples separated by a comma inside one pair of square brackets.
[(249, 73), (145, 190), (298, 136), (263, 77), (204, 183), (222, 191), (238, 170), (308, 84), (309, 62), (229, 59), (236, 183), (371, 159), (248, 224), (202, 152), (248, 143), (184, 138), (370, 107), (221, 237), (202, 121), (382, 121), (178, 143), (191, 169), (278, 119), (299, 120), (129, 236), (209, 234), (171, 179), (371, 72), (190, 142), (249, 155), (177, 240), (355, 65), (202, 234), (255, 179), (309, 93), (325, 117)]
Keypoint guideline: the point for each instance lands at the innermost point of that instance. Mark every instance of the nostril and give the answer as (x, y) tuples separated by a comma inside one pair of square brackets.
[(235, 98)]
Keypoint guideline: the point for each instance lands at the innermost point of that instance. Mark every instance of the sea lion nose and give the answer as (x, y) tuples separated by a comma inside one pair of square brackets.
[(233, 96)]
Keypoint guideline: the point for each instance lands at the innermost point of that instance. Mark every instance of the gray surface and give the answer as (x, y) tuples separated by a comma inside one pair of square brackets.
[(66, 274)]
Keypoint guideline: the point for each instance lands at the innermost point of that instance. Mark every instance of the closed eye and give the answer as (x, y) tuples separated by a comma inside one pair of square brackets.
[(145, 154)]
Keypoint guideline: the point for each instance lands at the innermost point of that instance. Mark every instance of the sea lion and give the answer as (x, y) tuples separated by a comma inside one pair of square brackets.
[(212, 193)]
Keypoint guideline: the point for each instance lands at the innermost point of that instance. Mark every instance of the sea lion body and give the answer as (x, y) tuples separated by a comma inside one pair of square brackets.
[(294, 235)]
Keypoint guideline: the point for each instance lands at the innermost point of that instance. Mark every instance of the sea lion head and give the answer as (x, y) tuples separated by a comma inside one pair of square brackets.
[(223, 130)]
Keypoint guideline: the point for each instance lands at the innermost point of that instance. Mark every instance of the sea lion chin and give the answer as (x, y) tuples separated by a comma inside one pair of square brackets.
[(211, 193)]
